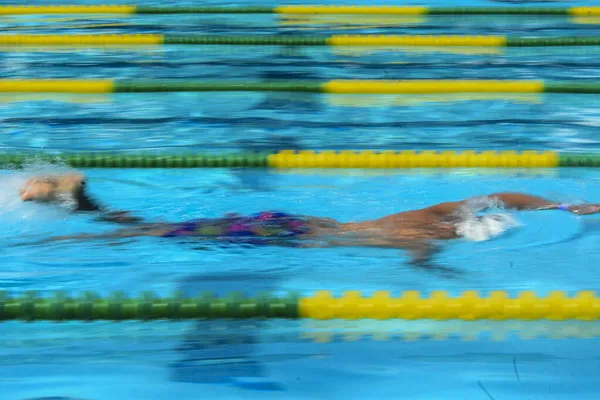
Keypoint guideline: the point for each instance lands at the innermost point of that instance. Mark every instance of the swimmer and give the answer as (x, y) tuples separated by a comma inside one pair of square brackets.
[(414, 231)]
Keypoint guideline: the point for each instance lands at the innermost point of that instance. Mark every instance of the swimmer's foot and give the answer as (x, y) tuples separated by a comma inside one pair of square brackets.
[(52, 188)]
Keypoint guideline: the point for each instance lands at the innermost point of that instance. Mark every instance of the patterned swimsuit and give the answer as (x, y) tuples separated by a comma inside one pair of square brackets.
[(274, 225)]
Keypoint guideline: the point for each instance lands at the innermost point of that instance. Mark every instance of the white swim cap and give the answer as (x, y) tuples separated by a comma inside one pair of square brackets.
[(485, 227)]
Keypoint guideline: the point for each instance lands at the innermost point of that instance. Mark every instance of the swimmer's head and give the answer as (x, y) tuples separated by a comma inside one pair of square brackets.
[(63, 188)]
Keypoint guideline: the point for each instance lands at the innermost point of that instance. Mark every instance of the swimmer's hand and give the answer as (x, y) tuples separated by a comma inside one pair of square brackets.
[(119, 217), (52, 188), (585, 209)]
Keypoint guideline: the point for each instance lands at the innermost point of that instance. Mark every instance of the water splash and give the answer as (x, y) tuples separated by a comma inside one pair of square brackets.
[(18, 217), (477, 228), (472, 207)]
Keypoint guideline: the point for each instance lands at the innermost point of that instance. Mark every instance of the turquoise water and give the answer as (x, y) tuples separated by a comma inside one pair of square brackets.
[(256, 359), (233, 120), (552, 250)]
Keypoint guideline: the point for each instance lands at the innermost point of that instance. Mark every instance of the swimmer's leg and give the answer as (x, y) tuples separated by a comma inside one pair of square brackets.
[(139, 231)]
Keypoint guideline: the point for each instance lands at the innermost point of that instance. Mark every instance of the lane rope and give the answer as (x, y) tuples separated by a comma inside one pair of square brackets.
[(286, 159), (410, 305), (293, 40), (298, 9), (417, 86)]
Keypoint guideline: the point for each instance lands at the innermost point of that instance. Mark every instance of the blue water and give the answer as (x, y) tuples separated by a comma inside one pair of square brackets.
[(306, 359), (230, 121)]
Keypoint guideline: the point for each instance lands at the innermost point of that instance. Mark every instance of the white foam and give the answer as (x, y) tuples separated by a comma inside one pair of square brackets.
[(13, 209), (477, 204), (486, 227)]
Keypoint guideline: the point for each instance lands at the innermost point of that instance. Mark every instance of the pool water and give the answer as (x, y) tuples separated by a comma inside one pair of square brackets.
[(551, 250)]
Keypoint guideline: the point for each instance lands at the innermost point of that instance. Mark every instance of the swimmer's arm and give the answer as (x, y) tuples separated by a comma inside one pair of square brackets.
[(515, 201), (86, 204), (421, 252)]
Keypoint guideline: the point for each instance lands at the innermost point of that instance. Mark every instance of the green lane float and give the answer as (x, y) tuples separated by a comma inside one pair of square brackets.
[(410, 305), (294, 40), (389, 87), (286, 159), (296, 9)]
